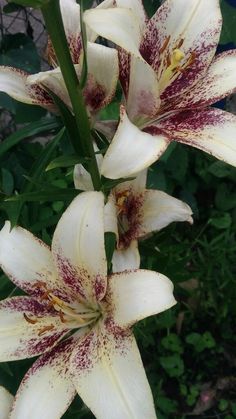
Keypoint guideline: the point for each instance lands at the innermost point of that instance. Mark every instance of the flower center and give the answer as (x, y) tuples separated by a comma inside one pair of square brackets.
[(128, 216), (74, 315), (173, 63)]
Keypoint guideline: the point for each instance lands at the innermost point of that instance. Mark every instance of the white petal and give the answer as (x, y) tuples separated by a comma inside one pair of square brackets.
[(70, 11), (6, 400), (119, 25), (110, 215), (82, 178), (27, 261), (103, 73), (143, 99), (193, 26), (137, 8), (27, 328), (47, 388), (135, 295), (13, 82), (109, 375), (210, 130), (53, 81), (126, 258), (131, 150), (78, 246), (219, 81), (160, 209), (137, 185)]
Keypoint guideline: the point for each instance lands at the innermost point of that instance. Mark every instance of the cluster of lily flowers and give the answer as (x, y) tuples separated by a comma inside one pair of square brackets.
[(77, 317)]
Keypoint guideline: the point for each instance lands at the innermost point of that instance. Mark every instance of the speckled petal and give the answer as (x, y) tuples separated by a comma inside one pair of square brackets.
[(220, 81), (6, 400), (160, 209), (13, 82), (78, 246), (103, 73), (210, 130), (126, 258), (143, 99), (27, 328), (135, 295), (109, 375), (47, 389), (131, 150), (70, 11), (28, 261), (119, 25), (53, 81), (192, 26)]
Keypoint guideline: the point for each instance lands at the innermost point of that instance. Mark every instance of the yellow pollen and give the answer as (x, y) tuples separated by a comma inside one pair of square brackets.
[(173, 68), (121, 201), (178, 56)]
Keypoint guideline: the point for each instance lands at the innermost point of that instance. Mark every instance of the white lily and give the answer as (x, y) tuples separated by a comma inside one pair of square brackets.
[(103, 70), (169, 77), (6, 400), (70, 292), (132, 212)]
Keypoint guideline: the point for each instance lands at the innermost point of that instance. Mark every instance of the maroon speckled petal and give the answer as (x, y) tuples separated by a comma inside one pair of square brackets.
[(13, 81), (193, 26), (210, 130), (47, 389), (27, 328), (28, 263), (109, 375), (219, 81), (78, 247), (103, 72)]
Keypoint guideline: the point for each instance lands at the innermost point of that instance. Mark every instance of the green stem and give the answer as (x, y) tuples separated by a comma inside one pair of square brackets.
[(53, 21)]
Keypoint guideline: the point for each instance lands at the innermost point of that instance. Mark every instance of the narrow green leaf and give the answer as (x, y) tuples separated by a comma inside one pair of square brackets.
[(69, 122), (65, 161), (45, 124), (36, 4), (48, 195)]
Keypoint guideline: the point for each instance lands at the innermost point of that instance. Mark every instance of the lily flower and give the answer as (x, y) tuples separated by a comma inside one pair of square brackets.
[(78, 318), (132, 212), (103, 70), (170, 78), (6, 400)]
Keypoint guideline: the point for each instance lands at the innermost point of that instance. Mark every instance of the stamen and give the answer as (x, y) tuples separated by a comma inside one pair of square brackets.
[(29, 320), (45, 329), (165, 43)]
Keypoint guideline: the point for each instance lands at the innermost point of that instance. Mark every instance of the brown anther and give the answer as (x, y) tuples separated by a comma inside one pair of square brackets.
[(180, 43), (168, 60), (39, 284), (180, 69), (29, 320), (165, 43), (62, 318), (45, 295), (45, 329), (192, 58)]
